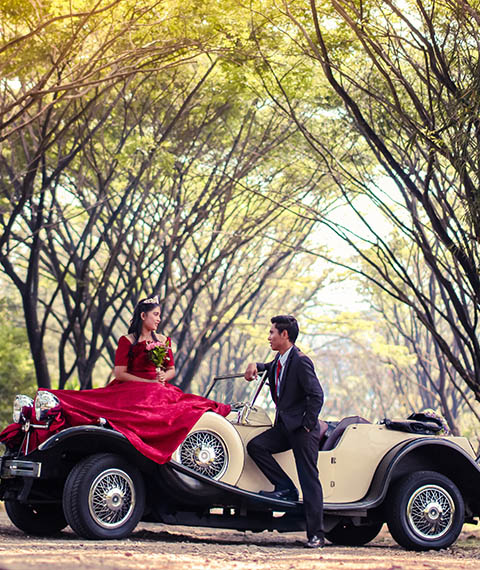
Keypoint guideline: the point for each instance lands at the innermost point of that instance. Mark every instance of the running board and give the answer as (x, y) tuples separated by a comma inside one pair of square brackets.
[(358, 508), (281, 505)]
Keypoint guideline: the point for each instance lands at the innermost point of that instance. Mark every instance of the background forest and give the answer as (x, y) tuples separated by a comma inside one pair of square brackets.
[(243, 160)]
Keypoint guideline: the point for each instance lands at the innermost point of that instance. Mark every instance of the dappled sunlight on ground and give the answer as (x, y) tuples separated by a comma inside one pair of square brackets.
[(187, 548)]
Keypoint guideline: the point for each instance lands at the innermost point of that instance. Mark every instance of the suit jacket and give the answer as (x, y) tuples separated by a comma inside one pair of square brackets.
[(301, 396)]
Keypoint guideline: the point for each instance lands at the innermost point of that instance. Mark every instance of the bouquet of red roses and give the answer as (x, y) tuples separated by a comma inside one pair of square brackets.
[(158, 351)]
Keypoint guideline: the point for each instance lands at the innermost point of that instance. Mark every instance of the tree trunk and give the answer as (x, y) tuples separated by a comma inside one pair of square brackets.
[(36, 341)]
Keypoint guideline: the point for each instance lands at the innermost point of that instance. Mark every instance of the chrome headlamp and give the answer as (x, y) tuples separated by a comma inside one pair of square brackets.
[(44, 402), (21, 401)]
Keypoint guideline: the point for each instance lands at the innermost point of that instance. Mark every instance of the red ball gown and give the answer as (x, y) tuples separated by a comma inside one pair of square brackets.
[(155, 418)]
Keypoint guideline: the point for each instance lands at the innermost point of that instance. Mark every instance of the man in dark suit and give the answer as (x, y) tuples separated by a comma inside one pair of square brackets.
[(298, 396)]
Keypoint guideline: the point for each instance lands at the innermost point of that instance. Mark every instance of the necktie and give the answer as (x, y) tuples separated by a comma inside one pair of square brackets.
[(277, 378)]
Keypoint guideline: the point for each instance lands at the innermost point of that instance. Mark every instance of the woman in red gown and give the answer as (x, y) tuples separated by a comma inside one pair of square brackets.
[(154, 415), (132, 359)]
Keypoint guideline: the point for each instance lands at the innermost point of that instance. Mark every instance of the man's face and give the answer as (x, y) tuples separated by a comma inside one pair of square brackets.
[(277, 340)]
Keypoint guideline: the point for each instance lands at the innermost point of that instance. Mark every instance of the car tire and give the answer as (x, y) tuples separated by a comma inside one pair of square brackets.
[(41, 520), (212, 448), (425, 511), (104, 497), (348, 534)]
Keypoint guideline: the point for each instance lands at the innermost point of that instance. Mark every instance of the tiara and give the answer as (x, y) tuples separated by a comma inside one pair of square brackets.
[(152, 300)]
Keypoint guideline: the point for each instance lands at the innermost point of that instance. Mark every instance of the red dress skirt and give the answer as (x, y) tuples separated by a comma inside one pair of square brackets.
[(153, 417)]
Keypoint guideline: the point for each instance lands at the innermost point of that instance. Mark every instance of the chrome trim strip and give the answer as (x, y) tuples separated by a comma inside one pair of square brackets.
[(18, 468)]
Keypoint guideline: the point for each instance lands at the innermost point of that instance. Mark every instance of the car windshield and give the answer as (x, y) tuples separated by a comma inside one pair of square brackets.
[(234, 389)]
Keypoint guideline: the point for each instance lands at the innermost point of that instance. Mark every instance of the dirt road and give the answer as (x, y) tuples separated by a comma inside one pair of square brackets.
[(159, 547)]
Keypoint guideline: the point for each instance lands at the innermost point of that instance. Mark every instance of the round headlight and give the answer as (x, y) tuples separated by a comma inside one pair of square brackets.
[(43, 402), (19, 403)]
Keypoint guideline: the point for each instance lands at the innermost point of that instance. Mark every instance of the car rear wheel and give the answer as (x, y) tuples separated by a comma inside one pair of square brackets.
[(348, 534), (426, 511), (104, 497), (41, 520)]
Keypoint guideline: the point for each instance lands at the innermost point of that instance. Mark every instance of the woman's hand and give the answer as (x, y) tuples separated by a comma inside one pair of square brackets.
[(161, 376)]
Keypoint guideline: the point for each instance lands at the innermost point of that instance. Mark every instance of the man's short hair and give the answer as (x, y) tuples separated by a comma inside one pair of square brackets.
[(286, 323)]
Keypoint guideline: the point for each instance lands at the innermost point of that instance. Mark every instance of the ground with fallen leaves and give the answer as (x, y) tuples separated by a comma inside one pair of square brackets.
[(187, 548)]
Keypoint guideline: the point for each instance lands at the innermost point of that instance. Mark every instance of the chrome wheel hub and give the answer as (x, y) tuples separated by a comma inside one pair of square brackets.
[(433, 512), (430, 512), (205, 456), (205, 453), (114, 499), (111, 499)]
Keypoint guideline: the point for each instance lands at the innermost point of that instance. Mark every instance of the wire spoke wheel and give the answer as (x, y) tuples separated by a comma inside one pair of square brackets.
[(204, 452), (426, 511), (104, 497), (431, 511), (112, 498)]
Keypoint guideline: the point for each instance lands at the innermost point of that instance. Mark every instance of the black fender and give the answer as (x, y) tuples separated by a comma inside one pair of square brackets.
[(62, 450), (434, 454)]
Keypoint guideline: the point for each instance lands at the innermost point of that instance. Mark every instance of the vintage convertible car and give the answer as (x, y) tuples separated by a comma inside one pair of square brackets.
[(422, 484)]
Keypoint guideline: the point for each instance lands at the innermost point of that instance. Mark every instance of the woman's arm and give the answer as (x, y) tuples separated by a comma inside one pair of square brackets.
[(169, 374), (121, 362), (120, 373)]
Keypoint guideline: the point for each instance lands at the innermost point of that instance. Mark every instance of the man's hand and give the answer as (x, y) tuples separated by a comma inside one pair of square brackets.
[(251, 372)]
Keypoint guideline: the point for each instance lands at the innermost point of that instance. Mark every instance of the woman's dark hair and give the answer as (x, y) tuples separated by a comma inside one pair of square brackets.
[(286, 323), (144, 306)]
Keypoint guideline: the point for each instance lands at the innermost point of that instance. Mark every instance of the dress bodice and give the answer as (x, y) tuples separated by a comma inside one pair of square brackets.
[(137, 359)]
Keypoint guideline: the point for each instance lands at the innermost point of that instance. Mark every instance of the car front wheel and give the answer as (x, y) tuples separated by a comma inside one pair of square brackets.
[(425, 511), (104, 497)]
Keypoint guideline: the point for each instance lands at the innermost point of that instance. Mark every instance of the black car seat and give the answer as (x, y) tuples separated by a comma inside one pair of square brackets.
[(324, 427), (331, 441)]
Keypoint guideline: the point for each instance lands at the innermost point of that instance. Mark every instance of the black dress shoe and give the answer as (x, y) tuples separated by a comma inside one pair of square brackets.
[(315, 542), (282, 494)]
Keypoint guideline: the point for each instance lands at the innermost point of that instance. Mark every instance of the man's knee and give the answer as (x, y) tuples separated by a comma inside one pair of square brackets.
[(254, 447)]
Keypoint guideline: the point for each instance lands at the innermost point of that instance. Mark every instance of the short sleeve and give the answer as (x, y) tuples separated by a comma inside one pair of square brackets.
[(121, 354), (169, 361)]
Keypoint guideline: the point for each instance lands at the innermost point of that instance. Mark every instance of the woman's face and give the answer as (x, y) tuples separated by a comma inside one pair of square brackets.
[(151, 319)]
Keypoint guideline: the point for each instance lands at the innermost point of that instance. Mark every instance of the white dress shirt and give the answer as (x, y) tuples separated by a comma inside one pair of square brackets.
[(283, 360)]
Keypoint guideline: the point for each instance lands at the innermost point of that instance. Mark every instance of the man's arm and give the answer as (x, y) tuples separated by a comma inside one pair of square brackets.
[(251, 372), (254, 368), (313, 392)]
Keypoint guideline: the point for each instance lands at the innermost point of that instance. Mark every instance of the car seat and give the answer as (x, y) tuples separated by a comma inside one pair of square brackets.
[(333, 438)]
